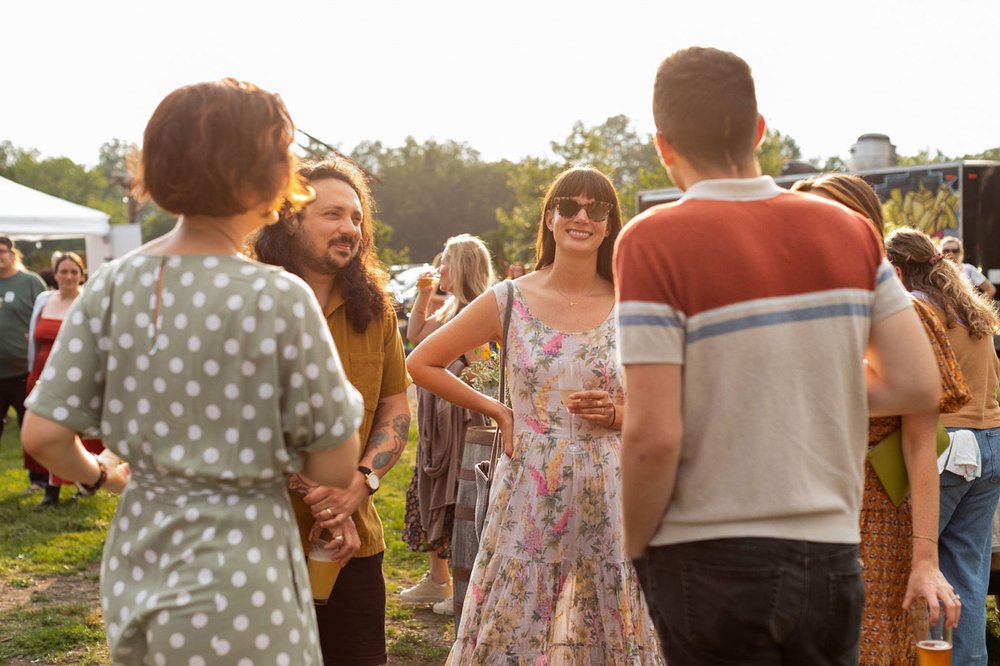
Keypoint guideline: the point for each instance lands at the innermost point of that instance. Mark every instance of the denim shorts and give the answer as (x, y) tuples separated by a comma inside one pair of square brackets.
[(755, 601)]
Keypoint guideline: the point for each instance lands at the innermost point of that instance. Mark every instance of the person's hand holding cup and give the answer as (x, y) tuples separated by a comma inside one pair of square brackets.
[(932, 637), (426, 281)]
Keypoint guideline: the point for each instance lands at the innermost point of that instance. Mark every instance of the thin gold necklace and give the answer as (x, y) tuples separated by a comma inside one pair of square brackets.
[(579, 297)]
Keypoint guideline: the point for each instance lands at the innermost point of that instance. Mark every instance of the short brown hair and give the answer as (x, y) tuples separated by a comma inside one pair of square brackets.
[(72, 257), (705, 106), (12, 246), (573, 182), (847, 190), (219, 148)]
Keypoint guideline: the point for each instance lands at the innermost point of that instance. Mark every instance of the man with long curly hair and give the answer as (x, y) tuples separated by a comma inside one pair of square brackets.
[(330, 245)]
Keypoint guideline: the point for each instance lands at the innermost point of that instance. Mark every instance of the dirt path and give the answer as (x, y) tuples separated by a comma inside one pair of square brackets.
[(425, 629)]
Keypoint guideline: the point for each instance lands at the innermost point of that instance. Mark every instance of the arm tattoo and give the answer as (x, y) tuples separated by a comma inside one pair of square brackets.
[(396, 434)]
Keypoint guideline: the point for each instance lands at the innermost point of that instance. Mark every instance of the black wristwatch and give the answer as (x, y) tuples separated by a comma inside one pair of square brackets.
[(89, 490), (372, 482)]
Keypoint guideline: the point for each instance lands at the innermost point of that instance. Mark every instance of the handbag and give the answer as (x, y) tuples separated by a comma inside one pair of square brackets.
[(486, 469), (886, 459)]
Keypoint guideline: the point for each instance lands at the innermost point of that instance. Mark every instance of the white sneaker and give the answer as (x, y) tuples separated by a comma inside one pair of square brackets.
[(427, 591), (446, 607)]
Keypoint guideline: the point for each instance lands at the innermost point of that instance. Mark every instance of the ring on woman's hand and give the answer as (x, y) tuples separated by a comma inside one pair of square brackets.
[(329, 512)]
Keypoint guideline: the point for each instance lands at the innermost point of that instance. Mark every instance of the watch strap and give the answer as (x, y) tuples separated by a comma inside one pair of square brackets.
[(89, 490), (367, 471)]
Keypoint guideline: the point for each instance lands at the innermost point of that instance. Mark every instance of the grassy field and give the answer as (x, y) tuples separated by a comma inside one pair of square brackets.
[(49, 562)]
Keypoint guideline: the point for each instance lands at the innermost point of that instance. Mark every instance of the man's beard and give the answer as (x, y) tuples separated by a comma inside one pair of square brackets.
[(326, 264)]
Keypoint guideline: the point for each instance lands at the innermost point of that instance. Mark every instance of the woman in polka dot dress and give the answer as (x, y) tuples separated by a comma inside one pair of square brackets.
[(215, 377)]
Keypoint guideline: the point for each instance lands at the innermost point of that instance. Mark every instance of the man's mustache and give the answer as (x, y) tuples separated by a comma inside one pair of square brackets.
[(342, 239)]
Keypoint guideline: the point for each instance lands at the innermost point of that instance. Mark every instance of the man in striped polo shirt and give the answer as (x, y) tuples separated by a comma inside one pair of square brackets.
[(758, 329)]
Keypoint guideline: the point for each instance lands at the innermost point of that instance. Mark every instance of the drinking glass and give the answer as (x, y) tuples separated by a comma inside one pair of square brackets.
[(323, 571), (932, 639), (427, 280), (570, 382)]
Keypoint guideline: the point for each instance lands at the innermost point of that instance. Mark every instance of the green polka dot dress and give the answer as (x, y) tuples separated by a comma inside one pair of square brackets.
[(211, 376)]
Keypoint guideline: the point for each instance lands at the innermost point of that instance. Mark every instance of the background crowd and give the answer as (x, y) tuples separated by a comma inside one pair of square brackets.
[(248, 373)]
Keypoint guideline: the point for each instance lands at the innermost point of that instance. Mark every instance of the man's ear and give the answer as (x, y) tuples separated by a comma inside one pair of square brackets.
[(664, 150), (761, 131)]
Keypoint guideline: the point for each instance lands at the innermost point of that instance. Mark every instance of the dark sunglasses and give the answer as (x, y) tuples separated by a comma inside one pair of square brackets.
[(597, 211), (949, 250)]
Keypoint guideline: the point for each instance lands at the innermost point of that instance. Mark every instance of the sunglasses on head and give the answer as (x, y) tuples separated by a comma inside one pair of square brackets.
[(597, 211)]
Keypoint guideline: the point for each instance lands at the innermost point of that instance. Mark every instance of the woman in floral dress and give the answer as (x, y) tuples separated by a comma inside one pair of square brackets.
[(551, 584)]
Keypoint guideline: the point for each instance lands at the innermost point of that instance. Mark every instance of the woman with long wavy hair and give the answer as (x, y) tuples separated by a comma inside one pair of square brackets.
[(466, 271), (968, 502)]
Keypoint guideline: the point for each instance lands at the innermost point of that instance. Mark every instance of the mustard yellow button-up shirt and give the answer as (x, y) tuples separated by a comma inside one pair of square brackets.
[(375, 364)]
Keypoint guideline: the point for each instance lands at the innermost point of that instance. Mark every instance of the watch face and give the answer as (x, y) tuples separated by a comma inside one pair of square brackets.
[(373, 482)]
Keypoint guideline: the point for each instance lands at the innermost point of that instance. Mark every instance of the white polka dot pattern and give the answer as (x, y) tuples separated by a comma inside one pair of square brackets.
[(226, 377)]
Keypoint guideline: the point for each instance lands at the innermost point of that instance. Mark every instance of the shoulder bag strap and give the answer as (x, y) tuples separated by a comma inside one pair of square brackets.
[(497, 438)]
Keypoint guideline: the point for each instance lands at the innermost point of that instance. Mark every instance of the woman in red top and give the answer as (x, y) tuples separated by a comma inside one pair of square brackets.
[(50, 309)]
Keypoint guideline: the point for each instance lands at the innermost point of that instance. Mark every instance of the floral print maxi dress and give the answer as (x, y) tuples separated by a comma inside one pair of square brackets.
[(551, 583)]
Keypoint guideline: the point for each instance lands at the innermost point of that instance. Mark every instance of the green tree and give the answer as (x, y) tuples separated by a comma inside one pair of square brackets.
[(428, 192), (383, 235), (834, 164), (514, 239), (988, 154), (925, 156), (775, 151)]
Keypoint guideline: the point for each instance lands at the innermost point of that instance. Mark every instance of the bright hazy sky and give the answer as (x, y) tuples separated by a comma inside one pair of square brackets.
[(507, 77)]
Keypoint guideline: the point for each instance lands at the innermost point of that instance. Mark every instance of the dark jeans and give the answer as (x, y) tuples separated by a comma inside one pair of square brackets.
[(12, 395), (755, 601), (352, 623)]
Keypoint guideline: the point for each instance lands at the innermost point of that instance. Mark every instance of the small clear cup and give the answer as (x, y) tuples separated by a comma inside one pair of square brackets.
[(323, 570)]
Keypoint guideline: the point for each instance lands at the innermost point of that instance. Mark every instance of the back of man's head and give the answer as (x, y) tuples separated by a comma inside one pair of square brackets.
[(705, 106)]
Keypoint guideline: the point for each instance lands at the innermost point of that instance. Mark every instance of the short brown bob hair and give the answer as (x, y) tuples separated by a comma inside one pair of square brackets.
[(705, 105), (573, 182), (220, 148)]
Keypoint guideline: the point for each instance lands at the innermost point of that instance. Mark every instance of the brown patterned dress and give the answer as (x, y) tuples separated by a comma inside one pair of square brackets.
[(886, 548)]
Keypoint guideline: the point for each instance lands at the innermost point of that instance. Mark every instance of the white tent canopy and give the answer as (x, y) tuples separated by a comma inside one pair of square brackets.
[(28, 214)]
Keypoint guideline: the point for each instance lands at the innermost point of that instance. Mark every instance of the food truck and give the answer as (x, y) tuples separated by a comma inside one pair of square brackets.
[(960, 199)]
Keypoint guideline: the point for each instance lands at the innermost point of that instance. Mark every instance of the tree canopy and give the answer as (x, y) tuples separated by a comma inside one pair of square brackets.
[(427, 191)]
